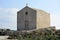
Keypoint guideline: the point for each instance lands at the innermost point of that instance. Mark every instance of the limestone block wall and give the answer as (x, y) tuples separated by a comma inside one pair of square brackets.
[(43, 19)]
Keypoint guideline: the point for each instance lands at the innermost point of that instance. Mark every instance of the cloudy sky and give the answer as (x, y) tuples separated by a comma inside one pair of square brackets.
[(9, 8)]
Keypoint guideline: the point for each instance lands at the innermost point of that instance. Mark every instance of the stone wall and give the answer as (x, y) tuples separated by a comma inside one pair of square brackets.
[(43, 19), (22, 17)]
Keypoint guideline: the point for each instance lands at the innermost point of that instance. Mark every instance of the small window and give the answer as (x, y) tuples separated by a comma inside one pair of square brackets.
[(26, 13)]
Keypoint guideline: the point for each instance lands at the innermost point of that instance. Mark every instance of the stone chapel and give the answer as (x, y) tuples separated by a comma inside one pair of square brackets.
[(30, 18)]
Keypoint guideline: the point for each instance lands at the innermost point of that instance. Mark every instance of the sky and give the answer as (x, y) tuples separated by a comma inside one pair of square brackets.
[(9, 8)]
